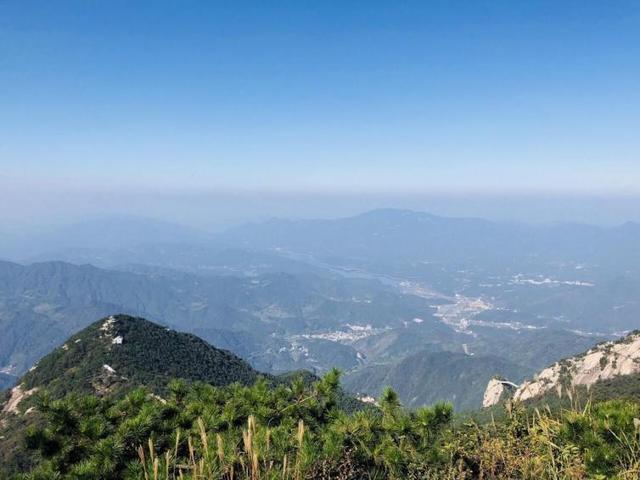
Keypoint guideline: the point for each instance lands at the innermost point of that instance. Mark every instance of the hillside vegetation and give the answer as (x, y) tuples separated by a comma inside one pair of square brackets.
[(429, 377), (298, 432), (120, 352), (277, 322), (103, 406)]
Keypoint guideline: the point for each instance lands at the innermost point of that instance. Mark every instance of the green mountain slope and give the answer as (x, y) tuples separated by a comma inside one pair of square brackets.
[(275, 429), (257, 316), (428, 377), (109, 359), (121, 352)]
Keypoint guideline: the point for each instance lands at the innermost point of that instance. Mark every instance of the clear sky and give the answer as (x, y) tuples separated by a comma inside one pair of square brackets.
[(320, 96)]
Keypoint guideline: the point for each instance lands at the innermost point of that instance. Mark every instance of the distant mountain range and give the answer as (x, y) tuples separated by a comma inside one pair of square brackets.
[(384, 235), (584, 277), (394, 235), (41, 304), (364, 293)]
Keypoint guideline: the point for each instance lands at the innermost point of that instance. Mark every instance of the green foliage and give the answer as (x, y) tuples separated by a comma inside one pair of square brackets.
[(297, 428), (149, 355), (219, 419), (299, 431), (425, 378)]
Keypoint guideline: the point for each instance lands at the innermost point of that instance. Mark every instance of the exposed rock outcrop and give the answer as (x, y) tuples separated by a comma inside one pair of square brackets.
[(603, 362), (17, 395), (497, 390)]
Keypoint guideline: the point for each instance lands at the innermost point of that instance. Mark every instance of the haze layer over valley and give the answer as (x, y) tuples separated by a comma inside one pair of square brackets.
[(388, 296)]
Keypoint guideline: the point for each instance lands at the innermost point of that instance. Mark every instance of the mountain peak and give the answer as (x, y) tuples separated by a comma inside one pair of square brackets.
[(123, 351), (382, 214)]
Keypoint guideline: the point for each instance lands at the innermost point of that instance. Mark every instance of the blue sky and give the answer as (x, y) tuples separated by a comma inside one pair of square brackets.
[(320, 96)]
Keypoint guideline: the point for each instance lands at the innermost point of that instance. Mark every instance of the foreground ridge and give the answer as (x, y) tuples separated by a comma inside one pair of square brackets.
[(293, 429)]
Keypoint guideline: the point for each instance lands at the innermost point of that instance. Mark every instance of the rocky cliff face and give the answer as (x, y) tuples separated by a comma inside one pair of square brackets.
[(497, 389), (603, 362), (17, 395)]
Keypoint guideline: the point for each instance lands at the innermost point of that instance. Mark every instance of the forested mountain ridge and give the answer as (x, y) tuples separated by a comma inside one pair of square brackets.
[(121, 352), (426, 378), (109, 359), (359, 293), (277, 322), (406, 234), (42, 304)]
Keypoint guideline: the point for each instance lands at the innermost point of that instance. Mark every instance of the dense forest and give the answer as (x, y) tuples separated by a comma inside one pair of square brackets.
[(299, 431), (120, 352)]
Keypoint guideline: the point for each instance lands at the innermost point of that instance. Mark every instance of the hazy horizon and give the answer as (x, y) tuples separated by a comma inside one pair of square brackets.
[(212, 115), (214, 212), (386, 101)]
